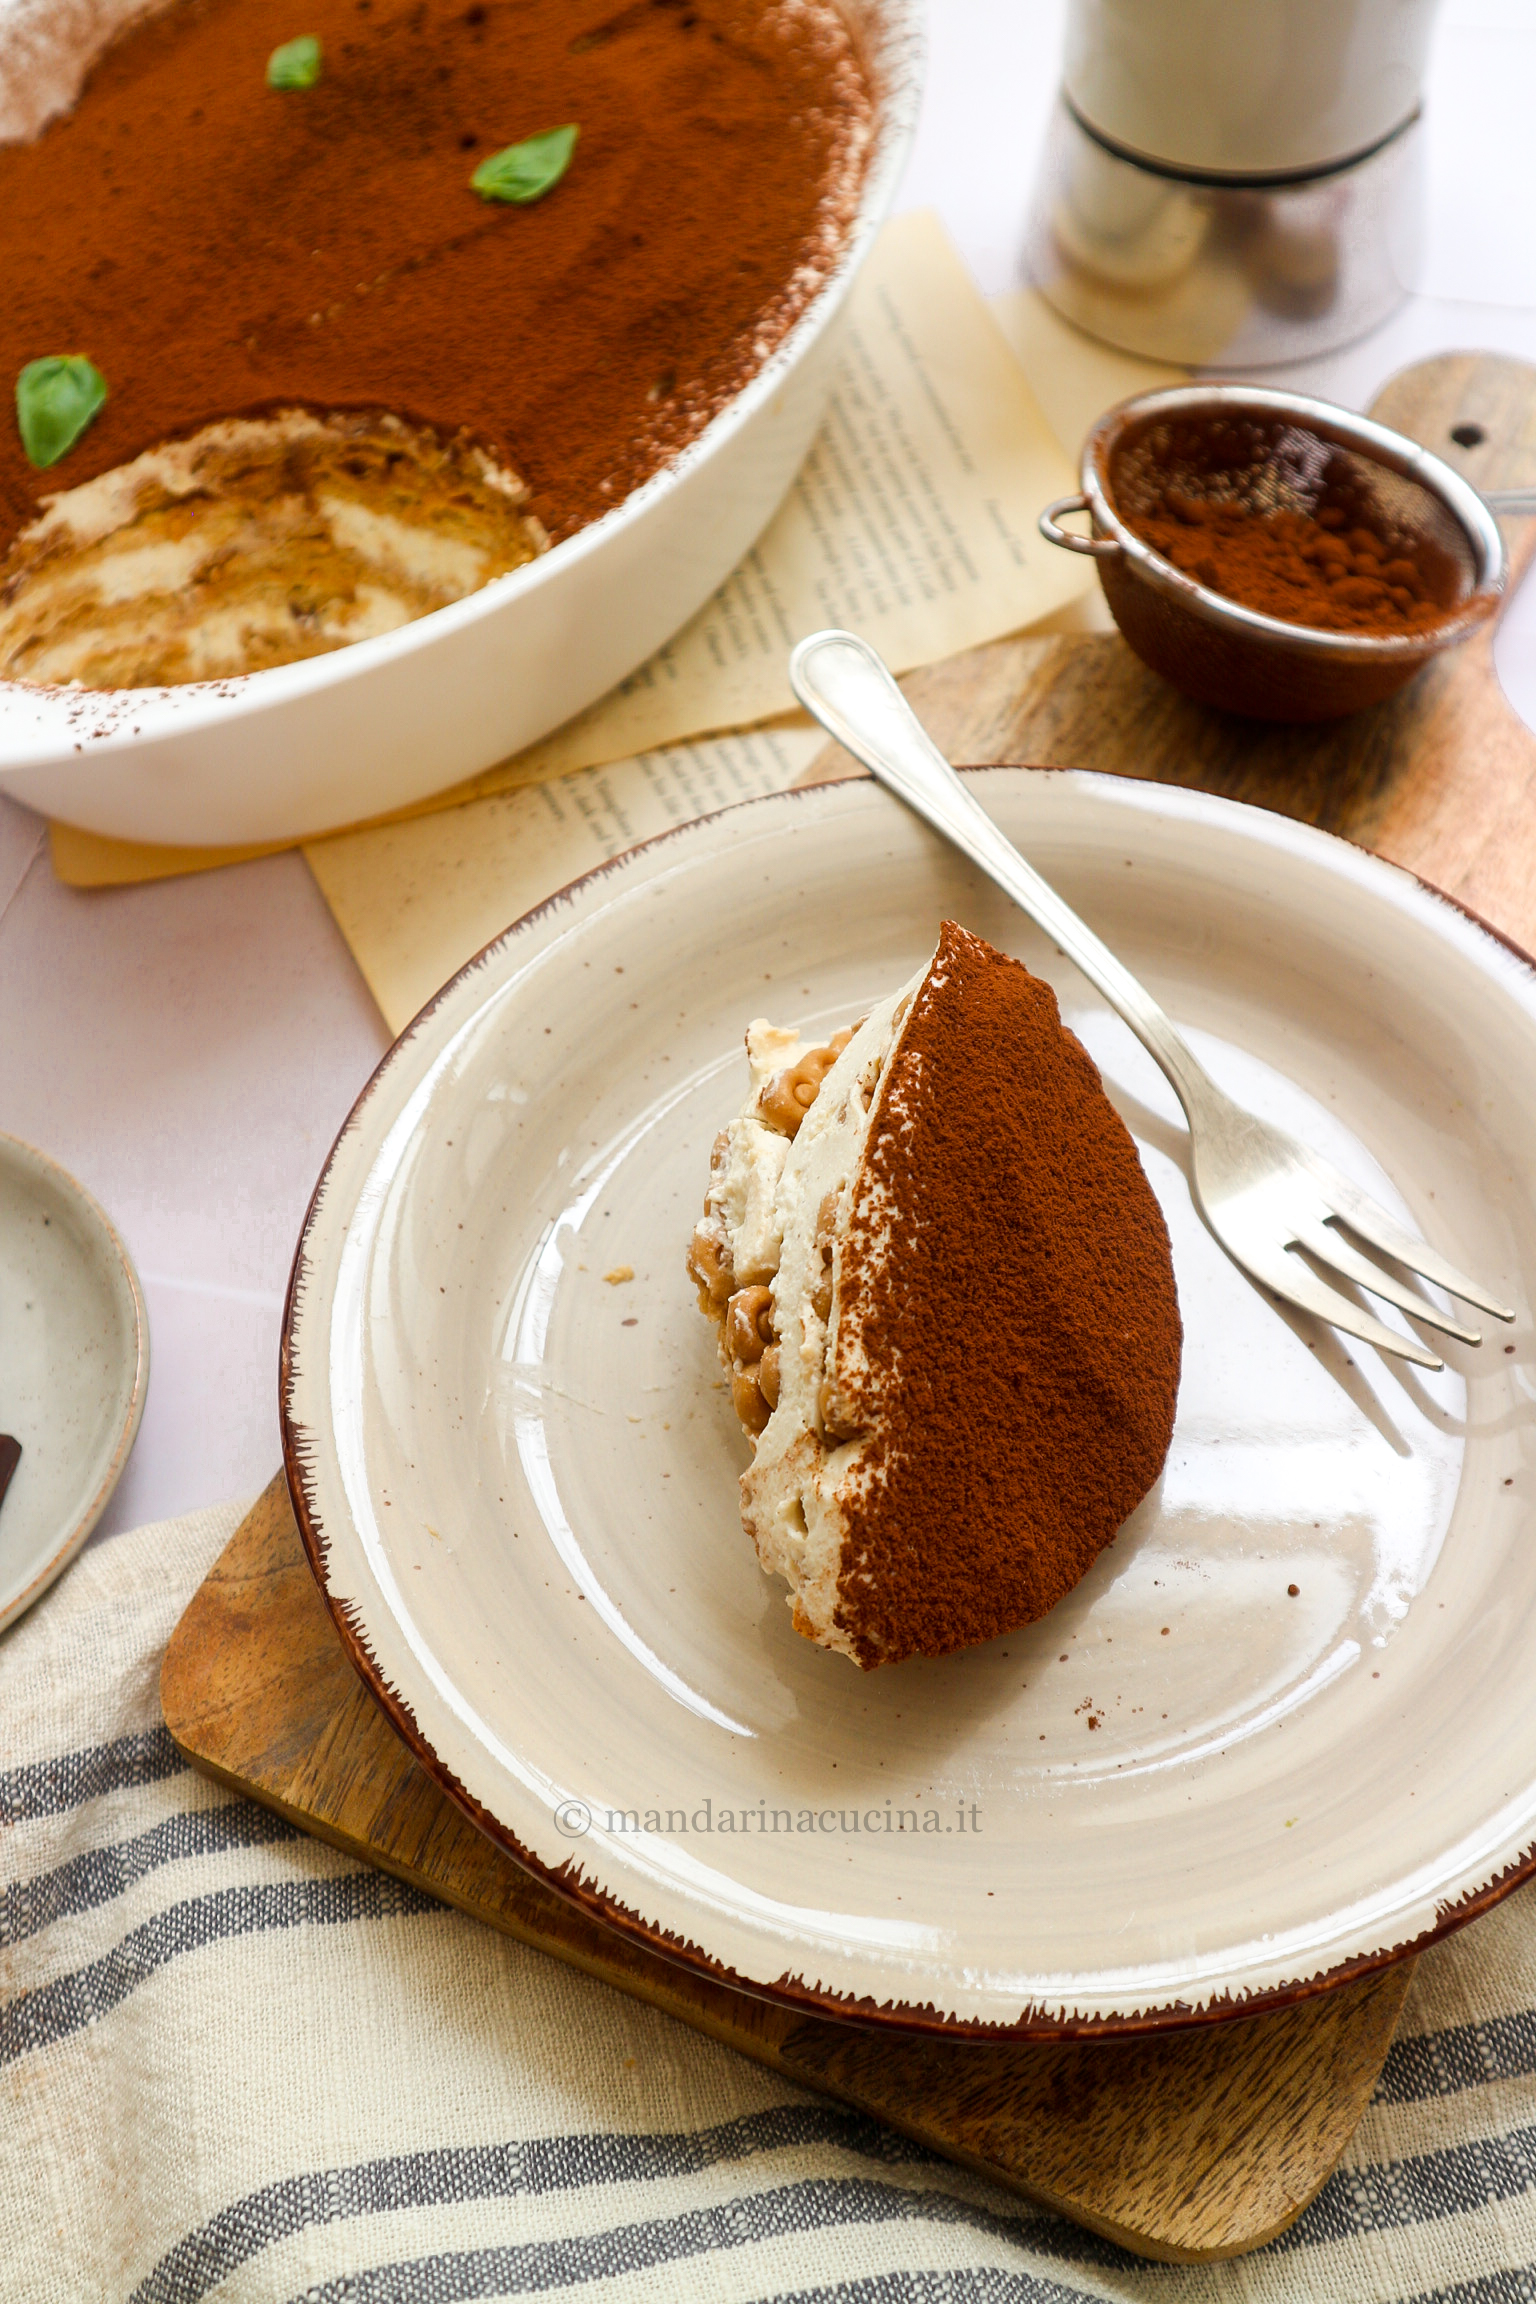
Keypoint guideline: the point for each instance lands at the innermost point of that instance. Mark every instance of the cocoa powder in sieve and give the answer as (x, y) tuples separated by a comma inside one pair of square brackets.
[(1302, 535), (1324, 569)]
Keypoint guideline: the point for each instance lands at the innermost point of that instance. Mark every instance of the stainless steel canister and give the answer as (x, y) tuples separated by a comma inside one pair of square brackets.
[(1235, 182)]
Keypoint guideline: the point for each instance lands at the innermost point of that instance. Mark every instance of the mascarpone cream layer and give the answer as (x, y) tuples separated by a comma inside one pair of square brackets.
[(784, 1206)]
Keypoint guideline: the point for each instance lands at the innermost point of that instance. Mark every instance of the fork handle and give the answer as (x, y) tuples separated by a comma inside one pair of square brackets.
[(845, 685)]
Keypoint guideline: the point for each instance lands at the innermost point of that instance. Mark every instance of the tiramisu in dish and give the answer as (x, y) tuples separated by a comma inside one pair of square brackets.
[(947, 1308), (337, 330)]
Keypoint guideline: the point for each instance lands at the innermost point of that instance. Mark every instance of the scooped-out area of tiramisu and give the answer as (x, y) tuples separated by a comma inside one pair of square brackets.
[(260, 540), (946, 1303), (475, 271)]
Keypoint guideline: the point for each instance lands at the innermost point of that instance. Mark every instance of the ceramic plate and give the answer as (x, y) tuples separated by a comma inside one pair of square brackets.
[(1286, 1726), (74, 1368)]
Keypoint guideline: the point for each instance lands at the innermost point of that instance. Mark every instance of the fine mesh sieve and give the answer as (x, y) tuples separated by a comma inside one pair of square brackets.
[(1207, 446)]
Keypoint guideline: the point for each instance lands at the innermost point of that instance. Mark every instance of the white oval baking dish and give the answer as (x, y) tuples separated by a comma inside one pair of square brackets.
[(279, 754)]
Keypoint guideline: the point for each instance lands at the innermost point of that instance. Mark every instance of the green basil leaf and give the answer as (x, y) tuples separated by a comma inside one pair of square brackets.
[(56, 399), (526, 172), (296, 64)]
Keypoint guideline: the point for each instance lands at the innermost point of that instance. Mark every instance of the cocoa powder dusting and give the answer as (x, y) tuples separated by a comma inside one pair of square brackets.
[(218, 248), (1014, 1344), (1328, 570), (1282, 523)]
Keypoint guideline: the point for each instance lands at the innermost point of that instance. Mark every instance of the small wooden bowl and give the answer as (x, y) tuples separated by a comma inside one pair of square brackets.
[(1236, 658)]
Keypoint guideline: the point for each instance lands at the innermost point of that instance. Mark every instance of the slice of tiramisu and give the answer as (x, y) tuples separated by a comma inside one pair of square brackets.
[(947, 1306)]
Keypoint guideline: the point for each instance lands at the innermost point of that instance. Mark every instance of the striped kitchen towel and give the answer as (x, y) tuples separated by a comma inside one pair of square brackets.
[(235, 2065)]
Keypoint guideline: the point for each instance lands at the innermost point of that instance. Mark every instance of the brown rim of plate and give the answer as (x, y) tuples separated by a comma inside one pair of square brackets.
[(568, 1881)]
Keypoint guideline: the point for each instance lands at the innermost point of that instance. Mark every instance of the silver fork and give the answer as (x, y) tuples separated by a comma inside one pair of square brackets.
[(1263, 1193)]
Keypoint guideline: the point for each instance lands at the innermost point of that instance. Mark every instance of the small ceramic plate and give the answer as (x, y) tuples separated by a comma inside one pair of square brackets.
[(74, 1368), (1287, 1725)]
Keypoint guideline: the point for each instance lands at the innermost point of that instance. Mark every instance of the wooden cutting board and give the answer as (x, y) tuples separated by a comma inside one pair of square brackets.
[(1442, 778), (1183, 2146)]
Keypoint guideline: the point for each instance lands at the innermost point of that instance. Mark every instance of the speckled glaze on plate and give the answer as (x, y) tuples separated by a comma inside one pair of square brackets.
[(1189, 1792), (74, 1368)]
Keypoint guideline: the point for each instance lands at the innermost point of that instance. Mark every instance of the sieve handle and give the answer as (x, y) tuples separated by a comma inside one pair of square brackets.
[(1049, 525), (845, 685)]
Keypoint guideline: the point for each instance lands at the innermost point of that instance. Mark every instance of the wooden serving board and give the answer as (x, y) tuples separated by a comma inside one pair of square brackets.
[(1184, 2146), (1442, 778)]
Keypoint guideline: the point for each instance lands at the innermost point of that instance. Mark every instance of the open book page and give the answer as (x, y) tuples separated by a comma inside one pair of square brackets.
[(415, 900), (1074, 378)]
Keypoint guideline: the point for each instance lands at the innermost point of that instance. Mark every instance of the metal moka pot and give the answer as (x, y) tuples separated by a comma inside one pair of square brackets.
[(1233, 182)]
